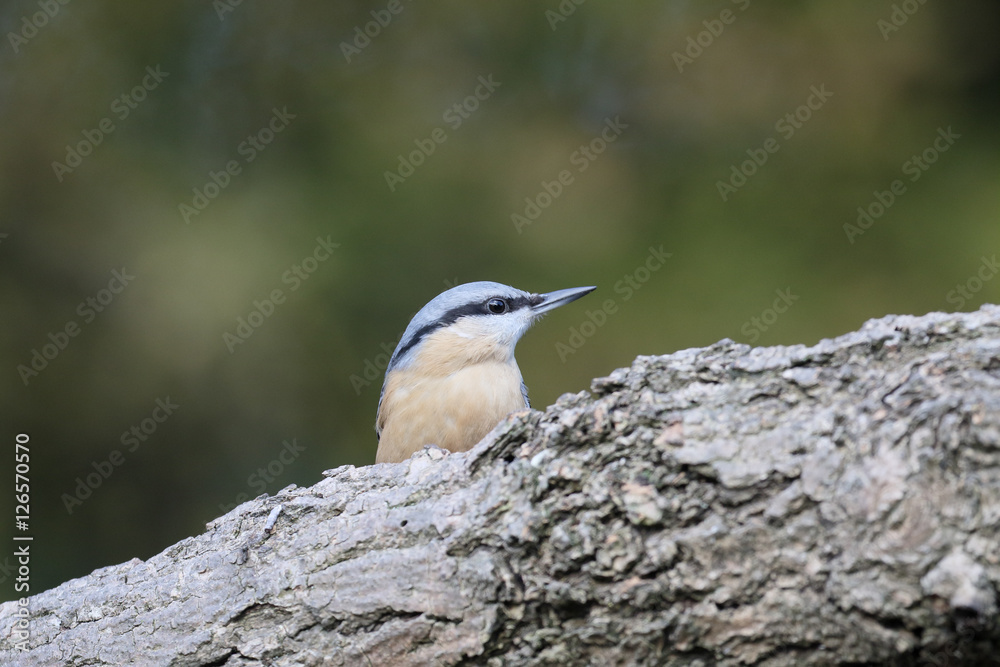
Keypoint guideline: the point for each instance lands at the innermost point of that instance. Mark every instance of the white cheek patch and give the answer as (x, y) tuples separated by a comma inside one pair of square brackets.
[(464, 329), (503, 330)]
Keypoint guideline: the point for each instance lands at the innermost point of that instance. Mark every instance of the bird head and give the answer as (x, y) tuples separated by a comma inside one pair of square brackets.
[(477, 320)]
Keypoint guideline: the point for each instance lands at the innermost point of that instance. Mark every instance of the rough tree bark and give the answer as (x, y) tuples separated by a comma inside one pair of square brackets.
[(778, 506)]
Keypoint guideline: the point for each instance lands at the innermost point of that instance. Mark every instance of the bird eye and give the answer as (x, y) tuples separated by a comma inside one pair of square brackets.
[(497, 306)]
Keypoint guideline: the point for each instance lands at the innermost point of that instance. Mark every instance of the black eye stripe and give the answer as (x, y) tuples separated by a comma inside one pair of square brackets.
[(453, 315), (518, 302)]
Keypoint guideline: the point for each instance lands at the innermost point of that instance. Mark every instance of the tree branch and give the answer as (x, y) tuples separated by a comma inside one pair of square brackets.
[(728, 505)]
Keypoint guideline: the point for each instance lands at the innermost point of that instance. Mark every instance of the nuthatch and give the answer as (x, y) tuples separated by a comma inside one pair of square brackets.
[(453, 375)]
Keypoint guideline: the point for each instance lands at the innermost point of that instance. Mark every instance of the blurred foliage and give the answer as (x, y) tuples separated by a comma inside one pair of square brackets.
[(227, 68)]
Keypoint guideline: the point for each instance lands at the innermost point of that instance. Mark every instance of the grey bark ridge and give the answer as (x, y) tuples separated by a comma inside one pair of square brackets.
[(833, 504)]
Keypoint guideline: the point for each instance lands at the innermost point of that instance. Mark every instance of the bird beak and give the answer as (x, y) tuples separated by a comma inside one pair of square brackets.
[(559, 298)]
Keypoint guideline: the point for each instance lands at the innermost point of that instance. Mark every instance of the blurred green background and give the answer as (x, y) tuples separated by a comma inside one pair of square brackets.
[(694, 92)]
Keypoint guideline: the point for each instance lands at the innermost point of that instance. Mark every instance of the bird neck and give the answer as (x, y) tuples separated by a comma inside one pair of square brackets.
[(446, 351)]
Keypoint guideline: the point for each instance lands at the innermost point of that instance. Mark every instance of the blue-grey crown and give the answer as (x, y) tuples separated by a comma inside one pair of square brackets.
[(447, 307)]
